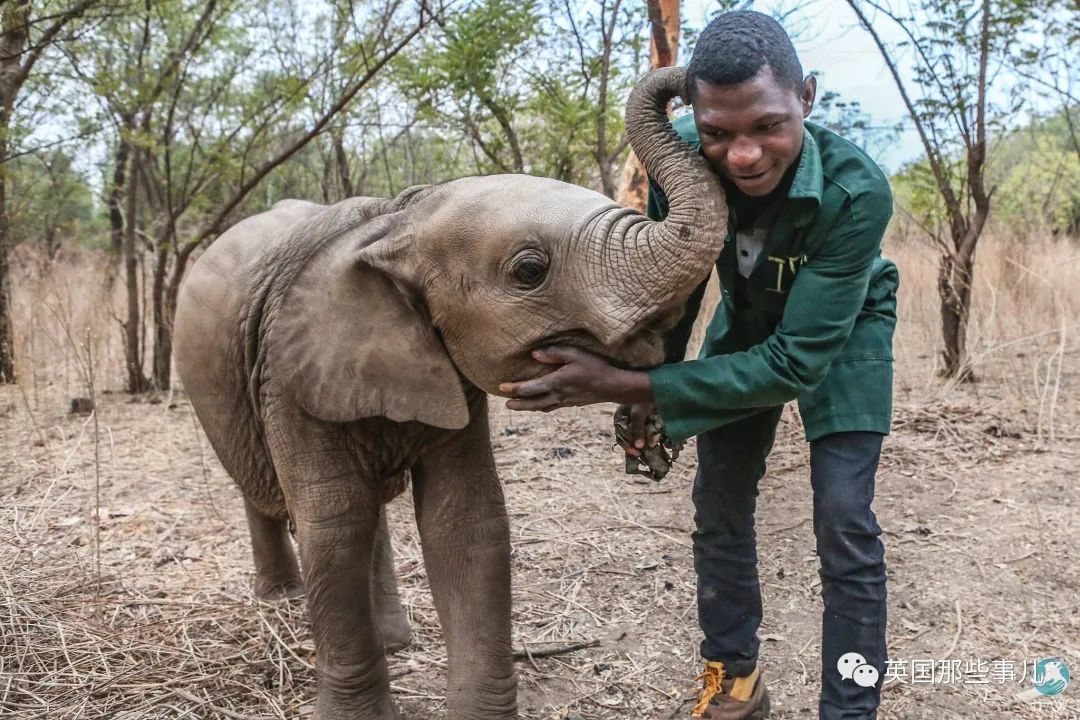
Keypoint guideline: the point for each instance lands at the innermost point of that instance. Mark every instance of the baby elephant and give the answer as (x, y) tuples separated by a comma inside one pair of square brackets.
[(332, 352)]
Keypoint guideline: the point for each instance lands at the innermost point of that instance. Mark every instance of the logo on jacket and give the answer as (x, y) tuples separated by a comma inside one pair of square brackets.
[(786, 268)]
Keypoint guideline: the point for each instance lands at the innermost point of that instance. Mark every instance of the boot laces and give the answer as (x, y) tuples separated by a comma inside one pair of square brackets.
[(713, 678)]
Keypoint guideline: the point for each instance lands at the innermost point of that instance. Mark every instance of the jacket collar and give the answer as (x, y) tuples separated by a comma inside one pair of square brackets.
[(809, 180)]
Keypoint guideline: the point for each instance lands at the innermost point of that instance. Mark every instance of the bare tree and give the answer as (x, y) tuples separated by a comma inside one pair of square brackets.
[(609, 17), (957, 50), (201, 126), (132, 89), (1050, 62), (23, 40), (369, 61), (600, 34), (663, 51)]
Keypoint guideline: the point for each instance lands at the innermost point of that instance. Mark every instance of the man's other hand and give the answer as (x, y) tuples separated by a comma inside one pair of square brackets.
[(581, 379), (639, 413)]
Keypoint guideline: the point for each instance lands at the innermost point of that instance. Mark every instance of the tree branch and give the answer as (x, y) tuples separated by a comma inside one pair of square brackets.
[(977, 152), (603, 157), (49, 35), (346, 97), (951, 201)]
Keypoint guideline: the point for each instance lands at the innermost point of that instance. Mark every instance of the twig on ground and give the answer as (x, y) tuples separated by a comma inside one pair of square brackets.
[(527, 653), (191, 697), (97, 468), (956, 637)]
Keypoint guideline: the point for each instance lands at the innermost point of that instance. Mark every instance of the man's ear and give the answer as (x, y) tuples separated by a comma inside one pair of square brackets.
[(809, 93)]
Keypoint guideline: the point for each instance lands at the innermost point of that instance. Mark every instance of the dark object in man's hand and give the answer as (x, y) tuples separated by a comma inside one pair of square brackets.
[(655, 460)]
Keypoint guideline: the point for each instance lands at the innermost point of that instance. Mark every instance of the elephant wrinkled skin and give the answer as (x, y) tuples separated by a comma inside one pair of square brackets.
[(333, 352)]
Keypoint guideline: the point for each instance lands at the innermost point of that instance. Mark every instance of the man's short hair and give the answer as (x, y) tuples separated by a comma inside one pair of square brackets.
[(736, 45)]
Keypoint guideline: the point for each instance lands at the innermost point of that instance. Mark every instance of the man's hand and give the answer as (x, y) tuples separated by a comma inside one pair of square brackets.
[(651, 455), (639, 413), (583, 379)]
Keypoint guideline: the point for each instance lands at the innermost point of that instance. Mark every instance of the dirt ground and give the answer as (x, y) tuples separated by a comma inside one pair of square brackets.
[(976, 494), (980, 521)]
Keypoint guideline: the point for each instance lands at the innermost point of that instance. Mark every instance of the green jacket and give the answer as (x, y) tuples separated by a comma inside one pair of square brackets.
[(817, 314)]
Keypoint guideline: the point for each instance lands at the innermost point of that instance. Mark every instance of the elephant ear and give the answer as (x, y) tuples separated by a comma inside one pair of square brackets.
[(350, 343)]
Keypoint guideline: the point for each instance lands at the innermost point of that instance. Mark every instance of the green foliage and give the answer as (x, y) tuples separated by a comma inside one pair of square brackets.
[(916, 191), (477, 48), (566, 92), (945, 41), (49, 202), (1037, 175), (465, 73), (1034, 177), (210, 91), (969, 60), (523, 82)]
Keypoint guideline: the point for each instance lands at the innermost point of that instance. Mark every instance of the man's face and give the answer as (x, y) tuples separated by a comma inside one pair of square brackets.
[(752, 132)]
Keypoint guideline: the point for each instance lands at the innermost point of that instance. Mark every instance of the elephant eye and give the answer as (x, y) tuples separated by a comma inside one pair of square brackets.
[(529, 269)]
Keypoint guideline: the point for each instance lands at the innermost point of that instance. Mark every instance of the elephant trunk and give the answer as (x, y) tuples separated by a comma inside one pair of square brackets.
[(665, 260)]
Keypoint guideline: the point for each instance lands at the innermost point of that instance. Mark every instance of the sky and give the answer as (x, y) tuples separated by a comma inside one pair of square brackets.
[(829, 40)]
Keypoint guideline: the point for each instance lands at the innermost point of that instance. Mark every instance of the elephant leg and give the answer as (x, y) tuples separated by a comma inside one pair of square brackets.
[(390, 616), (466, 543), (277, 575), (336, 512)]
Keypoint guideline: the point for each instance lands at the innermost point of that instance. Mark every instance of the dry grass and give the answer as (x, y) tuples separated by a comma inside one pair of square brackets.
[(1025, 309), (977, 505)]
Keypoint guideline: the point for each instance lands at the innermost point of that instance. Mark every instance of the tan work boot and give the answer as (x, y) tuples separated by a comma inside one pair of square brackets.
[(731, 698)]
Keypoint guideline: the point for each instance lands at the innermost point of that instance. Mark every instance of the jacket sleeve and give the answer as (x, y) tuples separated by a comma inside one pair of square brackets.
[(822, 306)]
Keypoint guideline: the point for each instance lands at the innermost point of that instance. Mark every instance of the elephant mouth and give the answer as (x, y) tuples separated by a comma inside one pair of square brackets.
[(642, 350)]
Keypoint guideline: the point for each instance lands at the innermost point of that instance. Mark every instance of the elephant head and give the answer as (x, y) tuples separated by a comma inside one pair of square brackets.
[(472, 275)]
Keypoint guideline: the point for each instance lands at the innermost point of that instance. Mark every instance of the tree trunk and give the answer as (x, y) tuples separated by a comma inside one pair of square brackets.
[(326, 185), (341, 159), (162, 324), (116, 215), (633, 184), (163, 338), (13, 36), (502, 117), (52, 243), (954, 289), (663, 51), (7, 341), (137, 382), (664, 24), (604, 160)]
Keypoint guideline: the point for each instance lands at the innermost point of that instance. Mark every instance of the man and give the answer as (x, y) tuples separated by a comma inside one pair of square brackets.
[(807, 313)]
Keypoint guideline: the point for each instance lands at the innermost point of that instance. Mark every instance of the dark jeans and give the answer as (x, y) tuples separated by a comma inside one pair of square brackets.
[(731, 461)]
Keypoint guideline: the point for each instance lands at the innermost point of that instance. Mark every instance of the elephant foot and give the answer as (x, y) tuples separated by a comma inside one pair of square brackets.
[(355, 691), (395, 631), (321, 714), (272, 590)]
